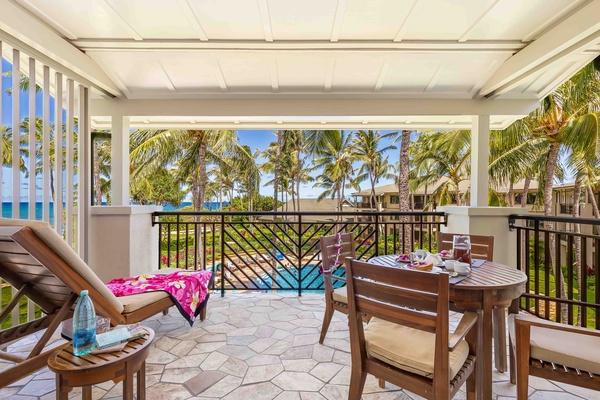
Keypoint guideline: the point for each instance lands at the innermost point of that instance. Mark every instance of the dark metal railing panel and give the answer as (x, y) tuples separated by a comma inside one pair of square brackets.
[(280, 251), (561, 257)]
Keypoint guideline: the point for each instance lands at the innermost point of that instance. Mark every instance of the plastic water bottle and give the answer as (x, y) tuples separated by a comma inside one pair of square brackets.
[(84, 325)]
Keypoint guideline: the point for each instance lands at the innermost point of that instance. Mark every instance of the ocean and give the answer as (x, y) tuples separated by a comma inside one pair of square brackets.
[(24, 209)]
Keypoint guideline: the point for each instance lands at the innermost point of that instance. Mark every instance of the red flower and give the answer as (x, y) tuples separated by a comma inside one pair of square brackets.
[(164, 259)]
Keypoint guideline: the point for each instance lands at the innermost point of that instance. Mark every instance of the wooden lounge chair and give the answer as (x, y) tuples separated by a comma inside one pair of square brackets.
[(553, 351), (335, 299), (482, 247), (42, 266), (407, 342)]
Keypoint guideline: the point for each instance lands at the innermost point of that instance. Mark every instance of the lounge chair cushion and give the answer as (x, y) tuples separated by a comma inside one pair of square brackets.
[(136, 302), (563, 348), (340, 295), (49, 236), (409, 349)]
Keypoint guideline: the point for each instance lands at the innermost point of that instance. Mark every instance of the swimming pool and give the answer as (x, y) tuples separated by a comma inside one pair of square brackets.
[(309, 279)]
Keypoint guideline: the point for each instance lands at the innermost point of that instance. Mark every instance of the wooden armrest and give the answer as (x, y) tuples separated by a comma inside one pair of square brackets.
[(529, 321), (467, 322)]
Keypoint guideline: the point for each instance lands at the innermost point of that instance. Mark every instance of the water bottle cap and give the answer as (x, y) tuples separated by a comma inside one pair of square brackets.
[(84, 293)]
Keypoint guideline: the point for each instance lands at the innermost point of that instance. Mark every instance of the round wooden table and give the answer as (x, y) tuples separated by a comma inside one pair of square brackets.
[(490, 286), (72, 371)]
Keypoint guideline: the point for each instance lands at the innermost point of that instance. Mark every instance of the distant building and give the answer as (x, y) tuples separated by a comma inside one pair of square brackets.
[(387, 196)]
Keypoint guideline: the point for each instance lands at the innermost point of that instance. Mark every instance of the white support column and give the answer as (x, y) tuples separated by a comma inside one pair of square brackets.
[(32, 139), (84, 175), (120, 161), (58, 153), (46, 146), (1, 126), (480, 155), (16, 133)]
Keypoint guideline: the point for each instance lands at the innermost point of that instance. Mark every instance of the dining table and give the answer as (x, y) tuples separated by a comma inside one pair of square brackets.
[(490, 286)]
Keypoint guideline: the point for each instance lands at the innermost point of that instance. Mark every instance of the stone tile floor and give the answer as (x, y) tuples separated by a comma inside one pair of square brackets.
[(259, 346)]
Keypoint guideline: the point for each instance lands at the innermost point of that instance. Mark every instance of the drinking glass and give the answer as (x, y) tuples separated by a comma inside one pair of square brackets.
[(461, 249)]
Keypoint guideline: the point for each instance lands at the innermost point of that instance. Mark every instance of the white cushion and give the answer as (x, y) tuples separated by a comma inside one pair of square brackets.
[(409, 349), (563, 348), (136, 302), (341, 295)]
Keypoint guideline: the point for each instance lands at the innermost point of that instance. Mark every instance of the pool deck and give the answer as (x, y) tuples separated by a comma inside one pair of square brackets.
[(259, 346)]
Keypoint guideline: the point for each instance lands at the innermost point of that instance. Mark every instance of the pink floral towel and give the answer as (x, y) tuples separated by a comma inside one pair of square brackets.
[(187, 289)]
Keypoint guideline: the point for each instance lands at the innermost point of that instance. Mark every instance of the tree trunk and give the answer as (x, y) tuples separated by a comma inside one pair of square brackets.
[(403, 192), (549, 174), (96, 167), (220, 197), (275, 189), (373, 195), (577, 267), (202, 176), (592, 200), (511, 195), (298, 178), (525, 191)]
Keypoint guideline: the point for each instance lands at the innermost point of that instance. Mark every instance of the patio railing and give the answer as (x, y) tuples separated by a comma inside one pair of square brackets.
[(280, 251), (570, 293)]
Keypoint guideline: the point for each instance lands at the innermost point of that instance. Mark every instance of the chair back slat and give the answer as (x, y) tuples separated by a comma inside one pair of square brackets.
[(420, 281), (393, 294), (329, 251), (481, 246), (398, 315), (390, 294)]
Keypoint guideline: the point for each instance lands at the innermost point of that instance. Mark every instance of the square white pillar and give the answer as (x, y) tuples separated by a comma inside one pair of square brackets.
[(486, 221), (123, 241), (480, 158), (120, 161)]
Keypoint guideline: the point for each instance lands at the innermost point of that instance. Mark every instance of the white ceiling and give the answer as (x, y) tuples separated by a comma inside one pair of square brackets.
[(439, 49)]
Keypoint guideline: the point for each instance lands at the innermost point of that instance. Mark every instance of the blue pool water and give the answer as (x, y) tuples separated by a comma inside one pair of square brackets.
[(310, 279)]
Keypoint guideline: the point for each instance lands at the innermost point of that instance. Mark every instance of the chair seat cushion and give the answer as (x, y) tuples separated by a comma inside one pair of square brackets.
[(136, 302), (563, 348), (409, 349), (341, 295)]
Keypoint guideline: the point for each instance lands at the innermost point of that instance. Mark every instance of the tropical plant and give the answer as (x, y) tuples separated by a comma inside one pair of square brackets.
[(447, 161), (367, 149), (335, 159), (190, 150)]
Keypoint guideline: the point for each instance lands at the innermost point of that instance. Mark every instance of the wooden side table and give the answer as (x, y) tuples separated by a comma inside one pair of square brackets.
[(72, 371)]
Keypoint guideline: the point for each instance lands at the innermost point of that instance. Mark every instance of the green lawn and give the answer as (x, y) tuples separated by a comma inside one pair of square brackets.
[(590, 287), (6, 297)]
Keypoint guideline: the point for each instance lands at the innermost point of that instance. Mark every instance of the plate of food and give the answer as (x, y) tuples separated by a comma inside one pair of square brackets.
[(445, 254), (403, 258)]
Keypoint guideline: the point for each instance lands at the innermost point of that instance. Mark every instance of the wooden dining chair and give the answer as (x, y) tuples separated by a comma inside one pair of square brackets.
[(482, 247), (407, 341), (553, 351), (336, 299)]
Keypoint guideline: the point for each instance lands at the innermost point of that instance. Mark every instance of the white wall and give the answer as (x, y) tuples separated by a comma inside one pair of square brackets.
[(123, 241), (488, 221)]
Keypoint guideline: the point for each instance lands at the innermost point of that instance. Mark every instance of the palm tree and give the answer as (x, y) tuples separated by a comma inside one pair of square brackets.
[(448, 163), (335, 158), (366, 147), (567, 120), (190, 150)]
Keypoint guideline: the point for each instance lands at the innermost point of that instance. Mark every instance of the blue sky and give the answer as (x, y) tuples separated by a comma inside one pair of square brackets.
[(255, 139)]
